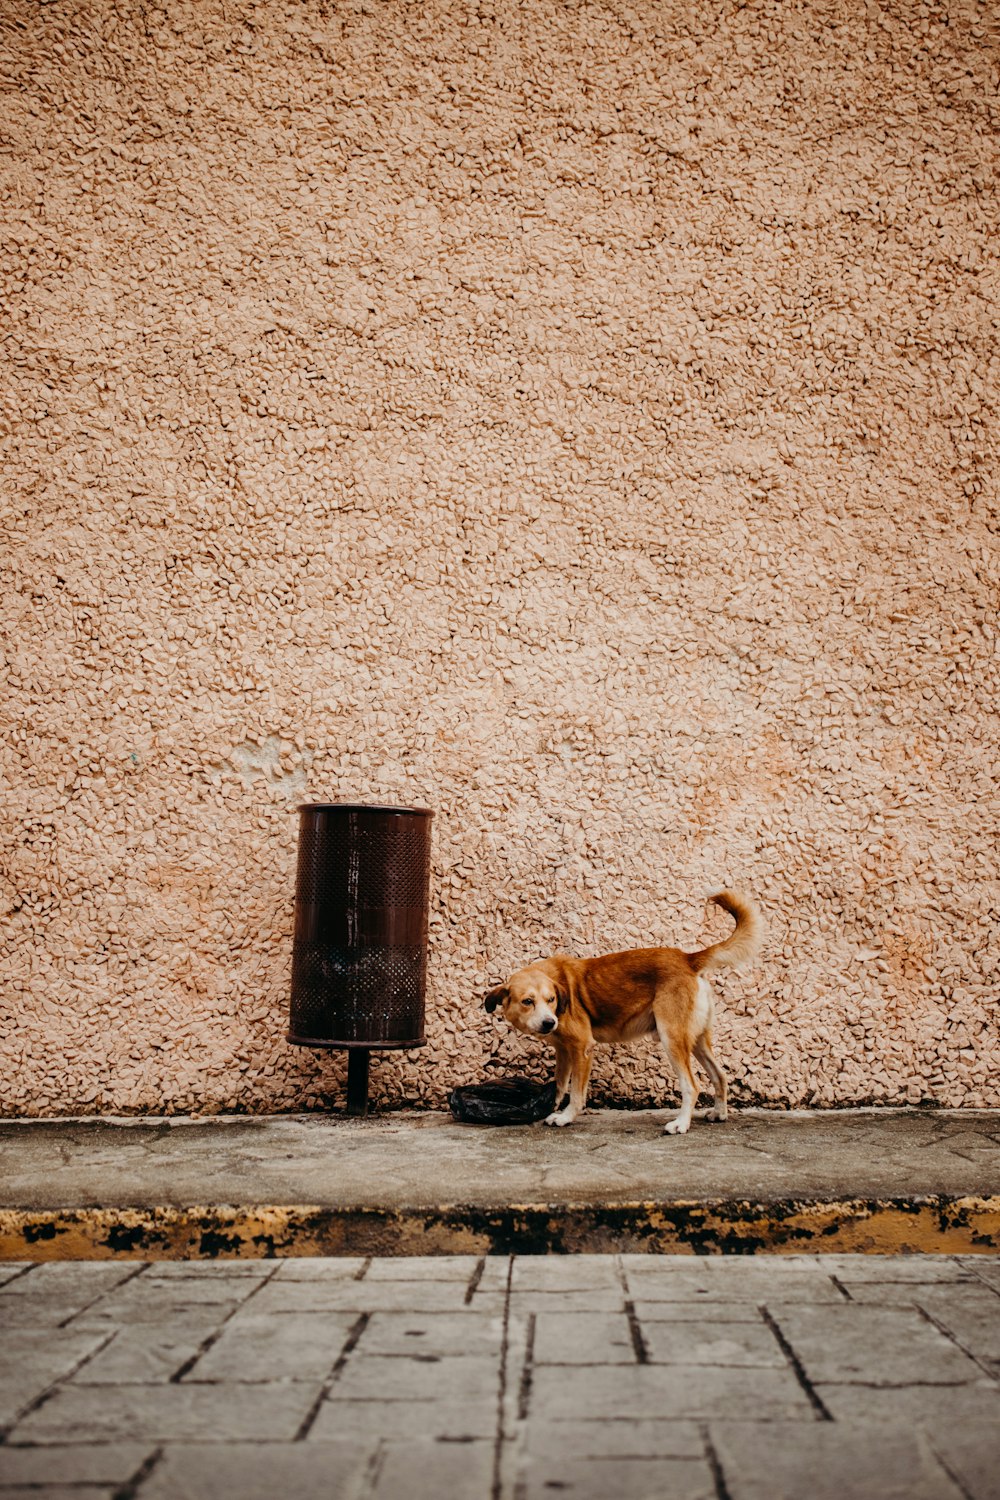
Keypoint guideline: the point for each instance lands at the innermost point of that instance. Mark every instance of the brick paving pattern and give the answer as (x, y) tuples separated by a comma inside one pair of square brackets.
[(525, 1378)]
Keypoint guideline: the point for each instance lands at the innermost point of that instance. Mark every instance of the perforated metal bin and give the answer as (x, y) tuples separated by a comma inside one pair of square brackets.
[(359, 958)]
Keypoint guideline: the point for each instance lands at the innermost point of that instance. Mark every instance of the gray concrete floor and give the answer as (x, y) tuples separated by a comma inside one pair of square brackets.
[(594, 1377)]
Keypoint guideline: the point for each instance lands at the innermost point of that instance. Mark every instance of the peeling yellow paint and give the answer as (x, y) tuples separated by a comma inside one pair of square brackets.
[(969, 1225)]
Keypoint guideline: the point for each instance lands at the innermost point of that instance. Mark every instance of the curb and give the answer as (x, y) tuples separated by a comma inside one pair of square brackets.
[(919, 1225)]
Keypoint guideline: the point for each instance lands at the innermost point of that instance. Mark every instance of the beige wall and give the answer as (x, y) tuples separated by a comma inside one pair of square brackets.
[(577, 417)]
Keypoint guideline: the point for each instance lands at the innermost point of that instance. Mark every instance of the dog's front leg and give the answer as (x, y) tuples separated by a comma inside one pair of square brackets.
[(564, 1069), (576, 1064)]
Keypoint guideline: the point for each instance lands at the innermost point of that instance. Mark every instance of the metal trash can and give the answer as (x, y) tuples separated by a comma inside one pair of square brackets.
[(359, 957)]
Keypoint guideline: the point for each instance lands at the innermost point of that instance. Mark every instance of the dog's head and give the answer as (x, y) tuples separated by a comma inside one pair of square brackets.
[(532, 1000)]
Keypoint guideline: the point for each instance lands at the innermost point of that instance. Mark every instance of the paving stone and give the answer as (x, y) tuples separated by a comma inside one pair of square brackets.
[(363, 1296), (565, 1338), (971, 1315), (912, 1293), (566, 1273), (32, 1359), (196, 1321), (11, 1268), (211, 1413), (210, 1270), (715, 1343), (59, 1492), (72, 1278), (368, 1377), (467, 1332), (970, 1311), (43, 1299), (139, 1303), (855, 1269), (223, 1289), (840, 1461), (627, 1437), (259, 1471), (875, 1345), (72, 1463), (516, 1364), (423, 1268), (623, 1478), (734, 1266), (986, 1268), (600, 1300), (145, 1353), (320, 1268), (454, 1421), (40, 1313), (497, 1271), (895, 1405), (654, 1260), (430, 1470), (257, 1347), (666, 1391), (700, 1310), (970, 1450), (737, 1280)]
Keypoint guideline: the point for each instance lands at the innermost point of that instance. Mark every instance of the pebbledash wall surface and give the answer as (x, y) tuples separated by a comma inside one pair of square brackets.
[(578, 418)]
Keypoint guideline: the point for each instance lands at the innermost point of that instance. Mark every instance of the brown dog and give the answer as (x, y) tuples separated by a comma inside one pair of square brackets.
[(575, 1002)]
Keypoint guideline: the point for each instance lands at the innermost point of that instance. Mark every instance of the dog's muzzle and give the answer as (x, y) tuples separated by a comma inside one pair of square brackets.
[(549, 1024)]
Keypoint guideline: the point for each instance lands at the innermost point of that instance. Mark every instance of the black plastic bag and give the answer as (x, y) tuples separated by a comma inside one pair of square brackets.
[(504, 1101)]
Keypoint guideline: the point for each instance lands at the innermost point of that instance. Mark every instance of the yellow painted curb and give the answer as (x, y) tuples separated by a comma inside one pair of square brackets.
[(924, 1225)]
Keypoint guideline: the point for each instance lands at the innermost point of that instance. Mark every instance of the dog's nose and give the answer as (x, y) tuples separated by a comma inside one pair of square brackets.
[(548, 1024)]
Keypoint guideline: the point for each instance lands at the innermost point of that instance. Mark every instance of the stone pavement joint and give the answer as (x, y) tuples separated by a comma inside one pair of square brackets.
[(718, 1379), (350, 1344), (796, 1364)]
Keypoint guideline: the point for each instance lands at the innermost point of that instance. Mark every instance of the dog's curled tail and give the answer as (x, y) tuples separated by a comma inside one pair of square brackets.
[(742, 946)]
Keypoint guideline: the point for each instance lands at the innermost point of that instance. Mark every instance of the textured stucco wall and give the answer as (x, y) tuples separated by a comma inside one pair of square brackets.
[(576, 417)]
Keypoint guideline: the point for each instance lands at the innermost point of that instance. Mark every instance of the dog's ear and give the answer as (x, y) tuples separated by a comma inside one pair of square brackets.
[(561, 982), (496, 997)]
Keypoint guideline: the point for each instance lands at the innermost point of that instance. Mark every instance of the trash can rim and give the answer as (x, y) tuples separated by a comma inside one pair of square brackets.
[(377, 1046), (424, 812)]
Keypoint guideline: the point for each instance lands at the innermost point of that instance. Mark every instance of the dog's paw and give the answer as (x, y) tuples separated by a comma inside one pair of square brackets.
[(559, 1118), (676, 1127), (716, 1114)]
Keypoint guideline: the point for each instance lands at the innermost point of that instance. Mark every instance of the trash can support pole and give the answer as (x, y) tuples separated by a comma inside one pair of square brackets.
[(358, 1059)]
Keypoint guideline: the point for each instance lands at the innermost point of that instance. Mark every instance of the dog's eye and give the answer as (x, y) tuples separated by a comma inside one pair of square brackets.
[(527, 1004)]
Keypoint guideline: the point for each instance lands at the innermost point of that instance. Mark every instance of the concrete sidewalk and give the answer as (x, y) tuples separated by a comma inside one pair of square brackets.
[(420, 1183)]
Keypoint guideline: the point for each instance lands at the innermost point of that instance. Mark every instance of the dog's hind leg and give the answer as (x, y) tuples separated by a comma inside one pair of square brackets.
[(676, 1044), (681, 1064), (703, 1052), (682, 1010)]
